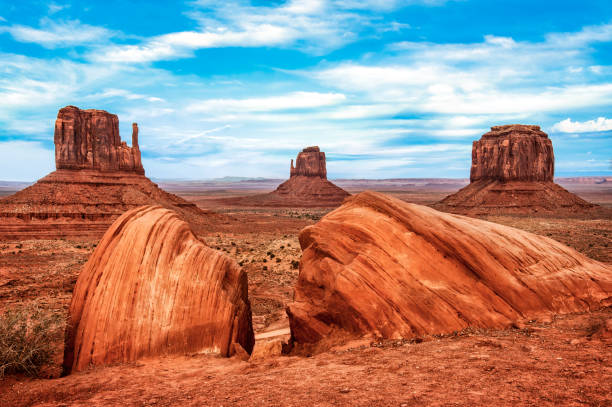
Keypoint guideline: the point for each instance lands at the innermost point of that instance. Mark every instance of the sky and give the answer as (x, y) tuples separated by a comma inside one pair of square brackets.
[(387, 88)]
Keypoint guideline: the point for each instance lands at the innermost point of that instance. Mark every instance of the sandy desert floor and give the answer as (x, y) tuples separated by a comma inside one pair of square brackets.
[(561, 362)]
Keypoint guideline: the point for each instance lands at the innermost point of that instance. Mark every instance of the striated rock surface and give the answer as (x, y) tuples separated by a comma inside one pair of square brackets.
[(381, 267), (152, 288), (89, 139), (512, 172), (98, 178), (513, 152), (307, 186), (310, 162)]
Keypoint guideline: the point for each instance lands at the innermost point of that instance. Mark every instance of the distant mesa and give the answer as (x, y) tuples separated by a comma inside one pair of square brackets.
[(383, 268), (512, 172), (310, 163), (307, 186), (151, 288), (98, 178)]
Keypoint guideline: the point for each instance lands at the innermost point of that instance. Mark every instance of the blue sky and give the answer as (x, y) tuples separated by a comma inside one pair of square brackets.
[(237, 88)]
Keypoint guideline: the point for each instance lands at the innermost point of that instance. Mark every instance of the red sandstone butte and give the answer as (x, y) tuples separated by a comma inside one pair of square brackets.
[(380, 267), (98, 178), (512, 172), (89, 139), (307, 186), (152, 288)]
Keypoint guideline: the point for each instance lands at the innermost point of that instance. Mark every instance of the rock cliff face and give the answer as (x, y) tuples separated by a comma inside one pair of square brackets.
[(152, 288), (98, 178), (512, 172), (513, 152), (89, 139), (307, 185), (310, 162), (378, 266)]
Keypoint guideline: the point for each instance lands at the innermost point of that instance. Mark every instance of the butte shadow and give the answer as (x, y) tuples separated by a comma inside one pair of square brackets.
[(307, 186), (380, 267), (152, 288), (512, 173), (97, 178)]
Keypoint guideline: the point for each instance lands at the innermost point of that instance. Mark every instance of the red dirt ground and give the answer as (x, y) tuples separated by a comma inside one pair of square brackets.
[(540, 364)]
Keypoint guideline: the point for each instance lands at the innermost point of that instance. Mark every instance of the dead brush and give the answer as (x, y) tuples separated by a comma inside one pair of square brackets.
[(28, 338)]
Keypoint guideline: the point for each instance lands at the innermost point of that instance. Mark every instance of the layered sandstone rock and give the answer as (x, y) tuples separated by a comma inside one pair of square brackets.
[(513, 153), (152, 288), (381, 267), (97, 179), (307, 186), (89, 139), (512, 172), (310, 162)]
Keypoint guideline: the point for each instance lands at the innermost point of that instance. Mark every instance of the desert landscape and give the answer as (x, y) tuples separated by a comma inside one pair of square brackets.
[(294, 342), (322, 203)]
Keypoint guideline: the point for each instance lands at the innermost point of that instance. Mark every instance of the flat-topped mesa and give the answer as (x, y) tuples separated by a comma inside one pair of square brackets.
[(512, 172), (89, 139), (310, 163), (513, 152)]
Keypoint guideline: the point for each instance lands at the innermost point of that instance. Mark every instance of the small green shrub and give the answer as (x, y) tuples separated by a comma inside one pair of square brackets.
[(28, 338)]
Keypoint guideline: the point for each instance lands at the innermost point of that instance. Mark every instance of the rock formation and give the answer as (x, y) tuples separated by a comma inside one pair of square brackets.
[(89, 139), (378, 266), (512, 172), (307, 186), (309, 163), (98, 178), (152, 288)]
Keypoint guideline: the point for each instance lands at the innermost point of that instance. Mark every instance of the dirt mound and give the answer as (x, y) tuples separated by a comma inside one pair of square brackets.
[(307, 186), (487, 197), (152, 288), (512, 172), (97, 179), (382, 267)]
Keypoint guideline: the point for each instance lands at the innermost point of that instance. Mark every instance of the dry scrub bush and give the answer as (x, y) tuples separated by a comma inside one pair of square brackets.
[(28, 338)]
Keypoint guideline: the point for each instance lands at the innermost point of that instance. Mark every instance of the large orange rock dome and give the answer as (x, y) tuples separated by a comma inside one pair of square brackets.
[(382, 267), (152, 288)]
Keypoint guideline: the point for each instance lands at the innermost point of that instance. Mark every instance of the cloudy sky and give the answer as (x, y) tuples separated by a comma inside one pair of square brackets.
[(236, 88)]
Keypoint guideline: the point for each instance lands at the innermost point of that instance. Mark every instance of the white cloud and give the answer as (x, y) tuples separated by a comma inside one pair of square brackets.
[(55, 34), (294, 100), (55, 8), (498, 76), (569, 126), (313, 26)]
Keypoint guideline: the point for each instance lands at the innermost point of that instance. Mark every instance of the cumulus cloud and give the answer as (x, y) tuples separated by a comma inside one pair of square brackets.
[(569, 126)]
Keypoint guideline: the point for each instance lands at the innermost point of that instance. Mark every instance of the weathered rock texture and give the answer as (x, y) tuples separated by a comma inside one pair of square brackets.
[(98, 178), (512, 172), (89, 139), (513, 153), (310, 162), (152, 288), (381, 267), (307, 186)]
